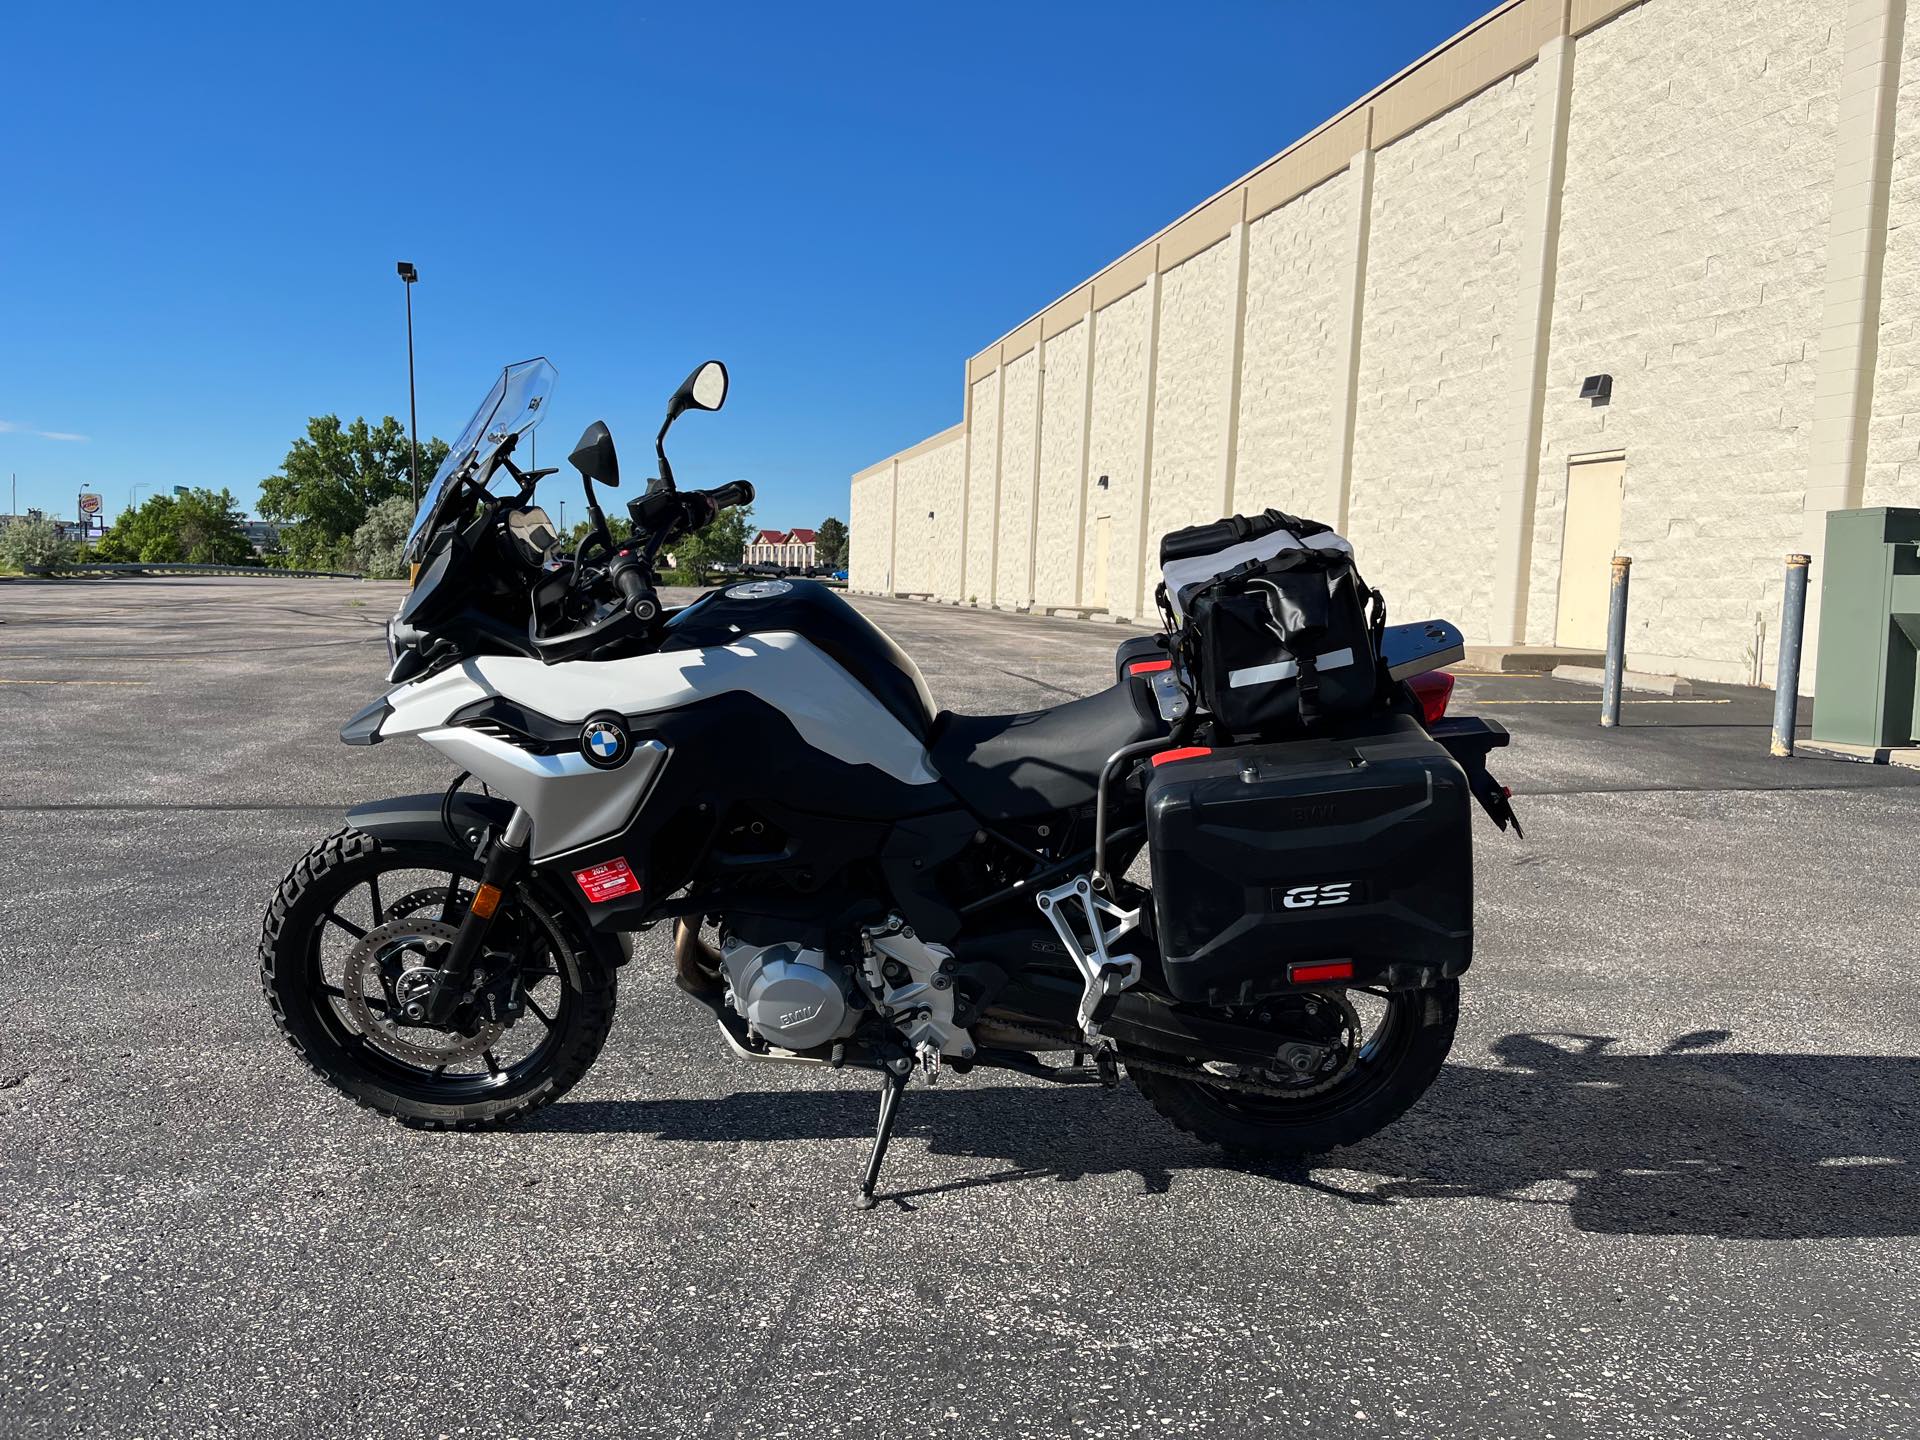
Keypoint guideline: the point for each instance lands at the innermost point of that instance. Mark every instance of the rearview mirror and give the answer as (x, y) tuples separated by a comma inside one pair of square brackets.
[(705, 389), (594, 457)]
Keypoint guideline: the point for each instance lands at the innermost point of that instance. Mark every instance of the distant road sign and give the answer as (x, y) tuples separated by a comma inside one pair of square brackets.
[(89, 504)]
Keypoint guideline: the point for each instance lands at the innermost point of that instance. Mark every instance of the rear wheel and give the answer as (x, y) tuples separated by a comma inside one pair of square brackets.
[(348, 946), (1389, 1049)]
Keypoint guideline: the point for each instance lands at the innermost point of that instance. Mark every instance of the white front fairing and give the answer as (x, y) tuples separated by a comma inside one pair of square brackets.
[(573, 803)]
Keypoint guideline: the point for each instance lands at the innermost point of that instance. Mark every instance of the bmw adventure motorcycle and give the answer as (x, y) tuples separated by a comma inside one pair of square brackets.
[(852, 876)]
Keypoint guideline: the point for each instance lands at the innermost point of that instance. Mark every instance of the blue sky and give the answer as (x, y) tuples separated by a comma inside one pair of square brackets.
[(203, 207)]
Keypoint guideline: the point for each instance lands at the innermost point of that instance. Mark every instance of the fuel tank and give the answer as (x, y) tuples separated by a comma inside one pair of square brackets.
[(823, 619)]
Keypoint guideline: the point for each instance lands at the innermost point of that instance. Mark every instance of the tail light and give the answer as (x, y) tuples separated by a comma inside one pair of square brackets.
[(1433, 689)]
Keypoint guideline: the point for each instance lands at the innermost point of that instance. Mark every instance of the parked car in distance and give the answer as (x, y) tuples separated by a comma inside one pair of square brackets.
[(840, 575)]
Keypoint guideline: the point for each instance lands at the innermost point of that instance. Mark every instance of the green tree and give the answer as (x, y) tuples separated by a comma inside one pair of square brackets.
[(333, 477), (197, 528), (31, 544), (721, 542), (380, 543), (830, 543), (618, 526)]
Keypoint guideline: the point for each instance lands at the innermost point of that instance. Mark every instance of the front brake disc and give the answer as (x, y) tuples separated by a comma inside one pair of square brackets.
[(406, 947)]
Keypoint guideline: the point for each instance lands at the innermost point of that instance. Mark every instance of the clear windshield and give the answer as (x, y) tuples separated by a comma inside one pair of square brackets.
[(515, 404)]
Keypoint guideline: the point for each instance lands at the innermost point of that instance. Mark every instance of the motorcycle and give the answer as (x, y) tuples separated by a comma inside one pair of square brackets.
[(853, 877)]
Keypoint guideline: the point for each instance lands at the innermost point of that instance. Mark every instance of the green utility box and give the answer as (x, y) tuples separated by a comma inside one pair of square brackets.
[(1867, 687)]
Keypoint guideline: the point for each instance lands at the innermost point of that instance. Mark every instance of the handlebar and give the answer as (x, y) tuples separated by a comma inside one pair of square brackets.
[(629, 577), (666, 515)]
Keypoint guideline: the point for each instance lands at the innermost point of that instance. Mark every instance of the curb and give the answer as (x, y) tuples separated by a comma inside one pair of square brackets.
[(1637, 680)]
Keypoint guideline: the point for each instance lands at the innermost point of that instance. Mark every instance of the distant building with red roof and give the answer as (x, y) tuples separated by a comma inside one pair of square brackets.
[(791, 548)]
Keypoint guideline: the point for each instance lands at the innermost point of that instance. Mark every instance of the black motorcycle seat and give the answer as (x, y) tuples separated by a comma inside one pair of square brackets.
[(1017, 767)]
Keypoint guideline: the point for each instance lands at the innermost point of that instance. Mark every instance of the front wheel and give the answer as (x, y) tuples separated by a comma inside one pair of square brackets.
[(1391, 1045), (348, 950)]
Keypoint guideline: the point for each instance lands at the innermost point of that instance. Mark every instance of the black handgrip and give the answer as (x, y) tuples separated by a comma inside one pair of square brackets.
[(630, 579), (735, 492)]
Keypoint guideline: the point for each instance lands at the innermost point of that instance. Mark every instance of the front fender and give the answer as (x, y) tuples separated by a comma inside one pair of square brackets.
[(417, 820)]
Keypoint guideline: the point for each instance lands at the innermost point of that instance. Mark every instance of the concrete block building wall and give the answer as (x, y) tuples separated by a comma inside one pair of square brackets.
[(870, 516), (927, 517), (1020, 416), (1121, 340), (982, 509), (1191, 398), (1692, 239), (1893, 450), (1296, 268), (1387, 326), (1056, 550), (1441, 302)]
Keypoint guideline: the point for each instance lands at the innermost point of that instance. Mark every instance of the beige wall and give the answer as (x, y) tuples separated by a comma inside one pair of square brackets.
[(1120, 341), (1062, 431), (870, 530), (926, 533), (1297, 265), (981, 511), (1391, 320), (1441, 305), (1019, 415), (1893, 453), (1692, 240)]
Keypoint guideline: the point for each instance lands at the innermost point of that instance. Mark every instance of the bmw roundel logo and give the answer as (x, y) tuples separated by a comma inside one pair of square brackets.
[(604, 742)]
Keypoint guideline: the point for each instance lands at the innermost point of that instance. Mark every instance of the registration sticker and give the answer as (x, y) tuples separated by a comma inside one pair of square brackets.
[(607, 882)]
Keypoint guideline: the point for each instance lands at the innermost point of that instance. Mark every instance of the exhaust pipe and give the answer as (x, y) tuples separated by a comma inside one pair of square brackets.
[(696, 964)]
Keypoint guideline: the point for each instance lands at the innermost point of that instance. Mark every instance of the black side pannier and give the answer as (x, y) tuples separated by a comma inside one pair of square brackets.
[(1272, 624), (1314, 852)]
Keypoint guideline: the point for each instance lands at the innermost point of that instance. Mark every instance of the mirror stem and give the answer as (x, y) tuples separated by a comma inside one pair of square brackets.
[(599, 530), (660, 449)]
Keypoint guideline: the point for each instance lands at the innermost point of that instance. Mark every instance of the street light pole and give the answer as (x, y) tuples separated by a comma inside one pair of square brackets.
[(407, 276), (133, 491)]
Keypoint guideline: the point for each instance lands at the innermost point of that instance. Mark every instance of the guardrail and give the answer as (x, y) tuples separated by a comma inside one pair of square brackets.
[(250, 572)]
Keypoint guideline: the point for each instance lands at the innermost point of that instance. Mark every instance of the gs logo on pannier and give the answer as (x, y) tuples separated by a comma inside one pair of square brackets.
[(1311, 897)]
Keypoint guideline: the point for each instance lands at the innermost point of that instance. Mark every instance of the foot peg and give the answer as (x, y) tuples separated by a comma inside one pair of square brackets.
[(1103, 973)]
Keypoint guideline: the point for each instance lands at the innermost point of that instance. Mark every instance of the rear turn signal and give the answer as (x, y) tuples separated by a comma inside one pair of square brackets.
[(1312, 974), (1433, 690), (1149, 667), (1185, 752), (607, 882)]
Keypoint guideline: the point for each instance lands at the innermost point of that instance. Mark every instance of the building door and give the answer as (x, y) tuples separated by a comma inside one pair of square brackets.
[(1588, 542), (1102, 536)]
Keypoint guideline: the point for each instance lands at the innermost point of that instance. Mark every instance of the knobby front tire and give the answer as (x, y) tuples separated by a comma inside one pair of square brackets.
[(310, 912)]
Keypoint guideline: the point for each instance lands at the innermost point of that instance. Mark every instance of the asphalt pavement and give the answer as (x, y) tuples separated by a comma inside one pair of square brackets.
[(1666, 1185)]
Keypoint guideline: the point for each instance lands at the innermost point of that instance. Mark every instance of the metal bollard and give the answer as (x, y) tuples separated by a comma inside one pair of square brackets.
[(1616, 642), (1786, 677)]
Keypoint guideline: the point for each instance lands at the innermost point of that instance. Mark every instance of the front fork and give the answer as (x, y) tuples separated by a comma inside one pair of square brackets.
[(505, 864)]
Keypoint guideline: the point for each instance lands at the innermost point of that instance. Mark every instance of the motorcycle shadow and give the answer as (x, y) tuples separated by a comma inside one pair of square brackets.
[(1691, 1141)]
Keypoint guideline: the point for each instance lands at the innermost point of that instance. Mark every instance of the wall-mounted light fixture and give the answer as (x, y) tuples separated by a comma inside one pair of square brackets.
[(1597, 388), (1103, 482)]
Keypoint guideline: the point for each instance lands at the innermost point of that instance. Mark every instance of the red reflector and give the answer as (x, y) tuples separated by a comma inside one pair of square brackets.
[(1433, 690), (1147, 667), (608, 881), (1185, 752), (1308, 974)]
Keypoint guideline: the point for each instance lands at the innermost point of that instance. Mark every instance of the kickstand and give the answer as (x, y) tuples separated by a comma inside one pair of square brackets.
[(896, 1082)]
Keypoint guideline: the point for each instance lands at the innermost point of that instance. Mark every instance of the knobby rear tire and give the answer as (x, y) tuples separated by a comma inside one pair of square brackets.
[(290, 976), (1260, 1128)]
